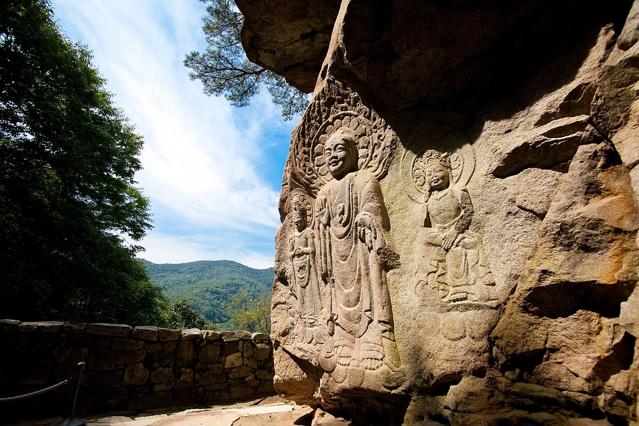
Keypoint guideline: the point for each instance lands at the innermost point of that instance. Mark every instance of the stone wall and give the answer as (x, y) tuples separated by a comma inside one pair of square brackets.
[(130, 367)]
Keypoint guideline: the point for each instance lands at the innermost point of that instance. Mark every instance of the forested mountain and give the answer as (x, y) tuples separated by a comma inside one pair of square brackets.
[(209, 285)]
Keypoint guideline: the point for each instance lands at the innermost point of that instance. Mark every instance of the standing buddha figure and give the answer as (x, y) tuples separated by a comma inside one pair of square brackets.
[(351, 226)]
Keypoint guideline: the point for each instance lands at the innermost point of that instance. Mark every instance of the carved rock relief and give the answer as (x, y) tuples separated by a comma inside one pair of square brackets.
[(338, 252), (304, 281), (335, 107), (452, 272), (445, 294), (338, 248), (352, 220)]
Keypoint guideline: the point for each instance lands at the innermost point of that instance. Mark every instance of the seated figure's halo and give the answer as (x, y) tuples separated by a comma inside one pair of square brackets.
[(375, 143), (413, 168)]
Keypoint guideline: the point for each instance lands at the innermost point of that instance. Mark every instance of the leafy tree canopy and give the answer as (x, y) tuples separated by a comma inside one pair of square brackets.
[(225, 70), (182, 315), (250, 313), (67, 191)]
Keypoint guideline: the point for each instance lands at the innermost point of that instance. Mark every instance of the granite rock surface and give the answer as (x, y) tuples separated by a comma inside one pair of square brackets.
[(459, 210)]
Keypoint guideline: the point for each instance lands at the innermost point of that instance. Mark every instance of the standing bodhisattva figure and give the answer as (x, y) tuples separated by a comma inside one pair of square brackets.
[(351, 222), (304, 276)]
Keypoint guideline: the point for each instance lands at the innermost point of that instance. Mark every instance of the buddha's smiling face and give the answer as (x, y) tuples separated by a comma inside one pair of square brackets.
[(437, 177), (340, 156)]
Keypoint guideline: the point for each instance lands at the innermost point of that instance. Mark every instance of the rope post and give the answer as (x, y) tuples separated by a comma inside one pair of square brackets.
[(72, 421), (80, 367)]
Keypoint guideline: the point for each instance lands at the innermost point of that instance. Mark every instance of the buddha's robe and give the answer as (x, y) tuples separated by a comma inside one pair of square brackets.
[(359, 300)]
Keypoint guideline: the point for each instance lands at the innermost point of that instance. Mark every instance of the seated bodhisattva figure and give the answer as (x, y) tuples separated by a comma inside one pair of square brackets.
[(304, 275), (351, 223), (454, 261)]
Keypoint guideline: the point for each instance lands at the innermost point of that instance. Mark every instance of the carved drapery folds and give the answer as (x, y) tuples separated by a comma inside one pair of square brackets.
[(352, 221), (341, 273), (303, 273), (338, 302), (333, 305)]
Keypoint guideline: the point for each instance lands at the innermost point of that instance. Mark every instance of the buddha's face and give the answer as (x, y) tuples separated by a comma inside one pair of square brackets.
[(437, 177), (340, 156)]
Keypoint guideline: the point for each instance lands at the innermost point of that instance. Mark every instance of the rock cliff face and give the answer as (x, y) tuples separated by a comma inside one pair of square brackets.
[(459, 210)]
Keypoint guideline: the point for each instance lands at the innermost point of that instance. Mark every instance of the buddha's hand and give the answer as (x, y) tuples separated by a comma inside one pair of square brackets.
[(322, 210), (366, 231), (449, 239)]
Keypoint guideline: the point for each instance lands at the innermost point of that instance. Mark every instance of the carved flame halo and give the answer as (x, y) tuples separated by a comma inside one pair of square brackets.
[(375, 143), (461, 164)]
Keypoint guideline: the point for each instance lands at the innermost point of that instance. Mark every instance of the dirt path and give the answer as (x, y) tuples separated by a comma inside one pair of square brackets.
[(253, 413)]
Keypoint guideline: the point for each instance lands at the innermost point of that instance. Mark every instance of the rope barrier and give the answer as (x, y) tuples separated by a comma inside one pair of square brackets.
[(36, 393), (69, 421), (65, 382)]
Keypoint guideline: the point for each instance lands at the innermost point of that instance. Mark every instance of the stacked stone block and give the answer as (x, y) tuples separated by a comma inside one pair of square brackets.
[(131, 367)]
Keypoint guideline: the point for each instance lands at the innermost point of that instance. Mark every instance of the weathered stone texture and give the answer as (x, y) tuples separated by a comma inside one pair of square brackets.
[(233, 360), (40, 327), (129, 368), (146, 332), (294, 43), (102, 329), (460, 213), (165, 334)]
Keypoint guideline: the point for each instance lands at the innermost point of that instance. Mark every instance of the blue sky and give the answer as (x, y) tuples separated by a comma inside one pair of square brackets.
[(211, 171)]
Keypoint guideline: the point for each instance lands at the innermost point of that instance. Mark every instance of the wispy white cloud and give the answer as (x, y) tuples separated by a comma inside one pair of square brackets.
[(168, 248), (202, 160)]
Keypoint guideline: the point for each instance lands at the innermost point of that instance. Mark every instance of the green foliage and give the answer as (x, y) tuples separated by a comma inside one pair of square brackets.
[(67, 190), (249, 312), (209, 285), (182, 315), (225, 70)]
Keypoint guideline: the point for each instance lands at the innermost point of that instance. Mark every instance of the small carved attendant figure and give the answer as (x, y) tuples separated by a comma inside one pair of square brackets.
[(351, 221), (305, 283), (454, 262)]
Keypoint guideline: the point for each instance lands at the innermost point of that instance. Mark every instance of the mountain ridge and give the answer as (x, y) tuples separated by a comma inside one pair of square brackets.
[(208, 285)]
